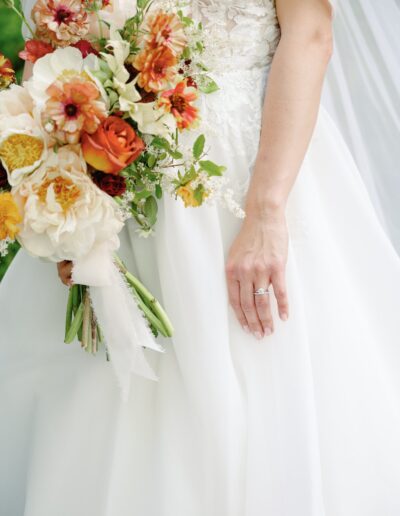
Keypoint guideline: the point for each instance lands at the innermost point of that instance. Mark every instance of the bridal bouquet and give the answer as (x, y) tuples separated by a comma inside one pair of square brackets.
[(94, 138)]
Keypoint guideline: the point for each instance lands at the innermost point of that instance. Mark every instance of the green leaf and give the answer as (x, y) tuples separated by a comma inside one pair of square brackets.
[(158, 192), (198, 146), (143, 194), (186, 53), (176, 154), (211, 168), (199, 193), (150, 210), (161, 143), (151, 160), (188, 176), (207, 85), (200, 47)]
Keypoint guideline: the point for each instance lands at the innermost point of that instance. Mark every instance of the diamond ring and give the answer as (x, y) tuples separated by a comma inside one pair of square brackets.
[(262, 292)]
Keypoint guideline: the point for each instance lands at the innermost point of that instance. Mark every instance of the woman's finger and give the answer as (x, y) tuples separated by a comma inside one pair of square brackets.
[(234, 299), (280, 291), (263, 305), (249, 307)]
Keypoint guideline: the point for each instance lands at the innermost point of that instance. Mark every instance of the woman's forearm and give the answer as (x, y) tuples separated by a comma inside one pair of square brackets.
[(290, 111)]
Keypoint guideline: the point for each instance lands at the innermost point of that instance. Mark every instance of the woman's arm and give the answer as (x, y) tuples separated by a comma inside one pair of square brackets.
[(258, 255)]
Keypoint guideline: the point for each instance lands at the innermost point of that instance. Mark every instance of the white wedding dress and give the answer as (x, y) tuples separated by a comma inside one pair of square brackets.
[(303, 423)]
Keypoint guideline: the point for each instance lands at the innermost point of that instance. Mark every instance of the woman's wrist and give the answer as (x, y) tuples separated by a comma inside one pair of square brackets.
[(265, 207)]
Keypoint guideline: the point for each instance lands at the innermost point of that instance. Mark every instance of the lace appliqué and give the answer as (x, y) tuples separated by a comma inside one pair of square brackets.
[(240, 34)]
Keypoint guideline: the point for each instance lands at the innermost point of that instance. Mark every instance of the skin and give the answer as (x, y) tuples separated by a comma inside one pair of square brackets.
[(258, 255)]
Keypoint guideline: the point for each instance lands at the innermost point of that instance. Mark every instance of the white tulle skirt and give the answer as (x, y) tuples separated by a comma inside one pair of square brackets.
[(303, 423)]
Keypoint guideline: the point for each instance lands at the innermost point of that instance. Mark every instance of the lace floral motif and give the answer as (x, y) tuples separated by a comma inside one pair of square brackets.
[(241, 34)]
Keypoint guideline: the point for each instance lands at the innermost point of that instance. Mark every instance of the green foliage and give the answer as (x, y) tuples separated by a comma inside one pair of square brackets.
[(11, 43), (5, 262)]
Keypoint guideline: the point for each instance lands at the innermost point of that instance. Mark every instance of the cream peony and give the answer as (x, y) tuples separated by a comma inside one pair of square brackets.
[(64, 214), (15, 101), (23, 145)]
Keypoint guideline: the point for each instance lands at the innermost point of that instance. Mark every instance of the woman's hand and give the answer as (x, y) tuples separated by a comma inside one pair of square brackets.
[(259, 253), (65, 272), (257, 259)]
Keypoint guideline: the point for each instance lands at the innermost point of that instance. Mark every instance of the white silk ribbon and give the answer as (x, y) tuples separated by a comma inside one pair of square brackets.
[(122, 323)]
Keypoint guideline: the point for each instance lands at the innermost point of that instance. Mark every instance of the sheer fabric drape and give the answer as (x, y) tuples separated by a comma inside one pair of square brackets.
[(363, 95)]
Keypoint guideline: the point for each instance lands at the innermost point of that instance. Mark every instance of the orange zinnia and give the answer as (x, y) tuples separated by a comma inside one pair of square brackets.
[(178, 101), (75, 106), (165, 29), (157, 68), (61, 22)]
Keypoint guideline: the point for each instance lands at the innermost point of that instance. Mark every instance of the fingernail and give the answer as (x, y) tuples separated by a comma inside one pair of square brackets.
[(258, 335), (246, 329), (285, 317), (267, 331)]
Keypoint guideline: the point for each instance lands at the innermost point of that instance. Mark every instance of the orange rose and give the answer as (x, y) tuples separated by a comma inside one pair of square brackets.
[(113, 146)]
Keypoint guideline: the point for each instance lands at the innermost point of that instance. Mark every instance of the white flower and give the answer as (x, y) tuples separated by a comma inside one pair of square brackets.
[(64, 214), (23, 145), (15, 101), (4, 247), (60, 64), (120, 52), (114, 14), (151, 119)]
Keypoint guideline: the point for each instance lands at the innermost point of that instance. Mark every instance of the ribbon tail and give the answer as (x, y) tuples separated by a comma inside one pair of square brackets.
[(124, 326)]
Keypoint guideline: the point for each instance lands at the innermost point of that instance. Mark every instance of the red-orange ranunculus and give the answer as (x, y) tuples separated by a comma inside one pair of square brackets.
[(35, 49), (113, 146), (85, 47)]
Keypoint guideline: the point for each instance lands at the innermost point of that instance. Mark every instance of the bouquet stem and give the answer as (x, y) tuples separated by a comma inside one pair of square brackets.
[(147, 302), (81, 323)]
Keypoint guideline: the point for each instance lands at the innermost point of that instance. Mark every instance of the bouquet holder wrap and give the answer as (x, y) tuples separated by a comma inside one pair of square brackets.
[(123, 325)]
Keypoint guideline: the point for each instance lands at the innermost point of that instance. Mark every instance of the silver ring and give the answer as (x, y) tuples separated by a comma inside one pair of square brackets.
[(262, 292)]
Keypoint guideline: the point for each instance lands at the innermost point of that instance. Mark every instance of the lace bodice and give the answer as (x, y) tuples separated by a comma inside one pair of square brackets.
[(241, 34)]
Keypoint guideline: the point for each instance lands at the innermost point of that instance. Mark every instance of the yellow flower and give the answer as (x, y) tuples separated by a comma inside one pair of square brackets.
[(20, 151), (9, 217), (187, 194), (22, 146), (65, 192)]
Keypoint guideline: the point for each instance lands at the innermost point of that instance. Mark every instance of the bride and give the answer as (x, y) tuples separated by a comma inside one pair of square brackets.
[(279, 394)]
